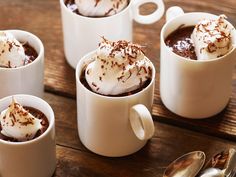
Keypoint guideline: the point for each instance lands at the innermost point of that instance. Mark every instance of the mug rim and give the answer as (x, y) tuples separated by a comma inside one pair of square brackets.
[(83, 60), (184, 58), (46, 133), (36, 39), (63, 5)]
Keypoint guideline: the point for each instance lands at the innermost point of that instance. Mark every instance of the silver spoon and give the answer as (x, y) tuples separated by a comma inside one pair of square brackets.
[(222, 164), (187, 165), (212, 172)]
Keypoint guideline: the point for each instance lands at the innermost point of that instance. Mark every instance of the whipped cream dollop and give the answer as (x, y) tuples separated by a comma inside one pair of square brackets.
[(117, 68), (18, 123), (12, 53), (212, 38), (100, 8)]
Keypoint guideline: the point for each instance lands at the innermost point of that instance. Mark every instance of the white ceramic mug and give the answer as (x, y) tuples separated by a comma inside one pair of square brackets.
[(113, 126), (26, 79), (193, 88), (82, 34), (34, 158)]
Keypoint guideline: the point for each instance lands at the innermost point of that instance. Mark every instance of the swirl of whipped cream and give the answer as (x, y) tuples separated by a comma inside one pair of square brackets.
[(100, 8), (117, 68), (18, 123), (212, 38), (12, 53)]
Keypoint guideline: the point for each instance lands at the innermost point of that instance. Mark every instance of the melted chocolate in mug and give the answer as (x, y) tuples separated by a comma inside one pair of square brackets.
[(36, 113), (85, 83), (181, 43)]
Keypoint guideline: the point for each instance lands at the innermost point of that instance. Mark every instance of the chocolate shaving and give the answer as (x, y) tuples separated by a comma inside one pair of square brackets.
[(94, 84), (88, 72), (96, 2), (10, 46), (140, 69), (9, 64), (130, 73), (13, 123), (119, 78), (108, 12), (28, 122), (14, 118), (25, 113)]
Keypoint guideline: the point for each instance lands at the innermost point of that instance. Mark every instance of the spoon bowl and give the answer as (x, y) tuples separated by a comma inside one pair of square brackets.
[(220, 165), (187, 165), (213, 172)]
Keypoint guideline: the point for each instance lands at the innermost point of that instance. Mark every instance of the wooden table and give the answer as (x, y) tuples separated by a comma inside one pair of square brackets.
[(173, 136)]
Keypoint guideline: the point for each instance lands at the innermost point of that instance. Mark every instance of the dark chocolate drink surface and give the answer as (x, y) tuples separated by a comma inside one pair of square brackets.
[(181, 43), (30, 52), (37, 114)]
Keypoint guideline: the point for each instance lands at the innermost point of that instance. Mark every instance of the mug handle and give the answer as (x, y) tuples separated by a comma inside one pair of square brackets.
[(173, 12), (151, 18), (141, 122)]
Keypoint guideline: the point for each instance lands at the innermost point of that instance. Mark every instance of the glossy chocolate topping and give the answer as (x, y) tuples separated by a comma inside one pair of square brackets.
[(181, 43)]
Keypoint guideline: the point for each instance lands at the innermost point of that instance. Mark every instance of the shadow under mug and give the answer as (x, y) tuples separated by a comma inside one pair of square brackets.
[(83, 34), (33, 158), (194, 88), (26, 79), (113, 126)]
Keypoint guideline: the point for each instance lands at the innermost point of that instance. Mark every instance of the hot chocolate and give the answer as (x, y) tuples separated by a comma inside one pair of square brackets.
[(117, 69), (30, 52), (22, 123), (96, 8), (14, 53), (181, 43), (84, 82), (209, 39)]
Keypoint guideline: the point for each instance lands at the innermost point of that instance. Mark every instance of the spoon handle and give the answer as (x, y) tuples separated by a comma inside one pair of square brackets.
[(233, 174)]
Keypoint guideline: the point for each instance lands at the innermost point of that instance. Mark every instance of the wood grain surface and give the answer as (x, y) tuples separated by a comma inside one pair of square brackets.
[(168, 143)]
